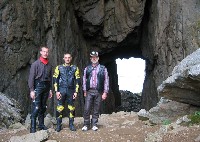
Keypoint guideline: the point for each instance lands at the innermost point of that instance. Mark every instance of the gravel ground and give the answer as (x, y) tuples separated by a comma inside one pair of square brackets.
[(118, 127)]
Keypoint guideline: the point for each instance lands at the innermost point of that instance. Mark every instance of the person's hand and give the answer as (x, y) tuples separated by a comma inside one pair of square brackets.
[(58, 95), (50, 94), (75, 95), (85, 94), (104, 96), (32, 95)]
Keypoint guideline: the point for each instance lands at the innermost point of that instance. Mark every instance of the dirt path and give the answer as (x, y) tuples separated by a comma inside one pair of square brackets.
[(119, 127)]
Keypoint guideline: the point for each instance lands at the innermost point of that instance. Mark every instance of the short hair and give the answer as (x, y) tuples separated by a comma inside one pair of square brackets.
[(43, 47), (68, 54)]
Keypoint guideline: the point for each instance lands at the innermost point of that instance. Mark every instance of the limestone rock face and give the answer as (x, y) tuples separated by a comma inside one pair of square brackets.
[(115, 19), (184, 83), (9, 112), (171, 32)]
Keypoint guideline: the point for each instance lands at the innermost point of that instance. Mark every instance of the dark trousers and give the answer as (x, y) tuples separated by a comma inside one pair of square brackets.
[(92, 104), (66, 96), (39, 104)]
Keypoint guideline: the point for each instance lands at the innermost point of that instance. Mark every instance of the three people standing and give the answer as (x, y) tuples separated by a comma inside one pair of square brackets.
[(66, 80)]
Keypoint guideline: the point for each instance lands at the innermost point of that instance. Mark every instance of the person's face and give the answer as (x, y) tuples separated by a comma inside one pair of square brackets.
[(94, 59), (44, 52), (67, 58)]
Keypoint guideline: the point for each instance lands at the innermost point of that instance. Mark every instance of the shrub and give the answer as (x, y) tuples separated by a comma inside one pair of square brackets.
[(166, 122), (195, 118)]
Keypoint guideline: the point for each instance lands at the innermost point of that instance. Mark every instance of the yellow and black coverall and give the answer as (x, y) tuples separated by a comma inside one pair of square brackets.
[(66, 81)]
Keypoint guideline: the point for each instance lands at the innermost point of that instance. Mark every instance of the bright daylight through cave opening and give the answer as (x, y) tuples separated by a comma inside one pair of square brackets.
[(131, 74)]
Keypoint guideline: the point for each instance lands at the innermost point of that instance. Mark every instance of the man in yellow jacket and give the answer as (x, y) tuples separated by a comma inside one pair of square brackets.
[(66, 83)]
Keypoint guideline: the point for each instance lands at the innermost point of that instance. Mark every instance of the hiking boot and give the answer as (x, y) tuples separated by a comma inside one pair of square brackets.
[(71, 124), (59, 125), (42, 127), (33, 125)]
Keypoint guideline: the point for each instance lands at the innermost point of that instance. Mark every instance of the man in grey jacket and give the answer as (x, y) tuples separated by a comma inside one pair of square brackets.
[(40, 79)]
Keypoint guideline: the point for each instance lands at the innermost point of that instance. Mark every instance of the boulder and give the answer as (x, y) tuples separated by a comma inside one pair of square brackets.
[(184, 83), (9, 112), (32, 137)]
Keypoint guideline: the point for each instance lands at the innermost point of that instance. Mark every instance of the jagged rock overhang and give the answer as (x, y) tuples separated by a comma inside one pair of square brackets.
[(129, 47)]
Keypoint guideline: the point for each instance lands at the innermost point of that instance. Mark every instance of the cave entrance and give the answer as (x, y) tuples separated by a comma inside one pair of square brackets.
[(131, 74)]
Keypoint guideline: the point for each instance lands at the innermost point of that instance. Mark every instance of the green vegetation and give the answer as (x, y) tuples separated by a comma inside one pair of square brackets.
[(198, 24), (195, 118), (166, 122), (197, 30)]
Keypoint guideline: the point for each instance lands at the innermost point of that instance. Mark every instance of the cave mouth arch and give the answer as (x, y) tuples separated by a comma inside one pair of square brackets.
[(108, 59)]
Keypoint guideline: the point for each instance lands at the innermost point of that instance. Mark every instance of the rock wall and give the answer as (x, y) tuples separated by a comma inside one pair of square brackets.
[(109, 20), (171, 32)]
